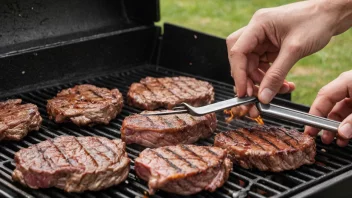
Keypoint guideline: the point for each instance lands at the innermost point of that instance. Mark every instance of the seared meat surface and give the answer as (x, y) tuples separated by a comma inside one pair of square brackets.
[(17, 119), (74, 164), (268, 148), (152, 93), (85, 105), (166, 130), (183, 169)]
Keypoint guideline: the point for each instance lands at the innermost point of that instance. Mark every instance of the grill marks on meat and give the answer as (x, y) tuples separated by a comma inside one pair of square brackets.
[(166, 130), (85, 105), (74, 164), (152, 93), (17, 119), (183, 169), (268, 148)]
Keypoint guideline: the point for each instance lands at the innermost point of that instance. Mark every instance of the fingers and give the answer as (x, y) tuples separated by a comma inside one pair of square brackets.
[(340, 111), (230, 42), (268, 57), (253, 111), (232, 38), (328, 96), (245, 44), (276, 74), (344, 110), (250, 86), (345, 131)]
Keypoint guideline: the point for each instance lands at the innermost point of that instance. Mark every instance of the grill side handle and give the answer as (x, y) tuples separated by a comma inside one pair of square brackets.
[(280, 112)]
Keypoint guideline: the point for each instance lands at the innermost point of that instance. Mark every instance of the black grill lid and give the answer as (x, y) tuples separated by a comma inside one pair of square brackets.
[(33, 23)]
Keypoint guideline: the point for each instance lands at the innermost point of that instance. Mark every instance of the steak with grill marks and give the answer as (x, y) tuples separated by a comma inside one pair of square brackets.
[(74, 164), (183, 169), (166, 130), (17, 119), (152, 93), (85, 105), (268, 148)]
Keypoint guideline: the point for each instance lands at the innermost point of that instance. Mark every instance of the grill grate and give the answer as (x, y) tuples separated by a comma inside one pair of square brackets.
[(331, 160)]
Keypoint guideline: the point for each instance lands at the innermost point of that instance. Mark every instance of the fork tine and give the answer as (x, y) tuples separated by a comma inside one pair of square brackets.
[(165, 112), (179, 108)]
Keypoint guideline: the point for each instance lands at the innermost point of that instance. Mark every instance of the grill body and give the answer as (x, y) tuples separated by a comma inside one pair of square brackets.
[(114, 54)]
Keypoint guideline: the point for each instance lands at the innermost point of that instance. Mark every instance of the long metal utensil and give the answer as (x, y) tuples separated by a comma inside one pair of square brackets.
[(271, 110)]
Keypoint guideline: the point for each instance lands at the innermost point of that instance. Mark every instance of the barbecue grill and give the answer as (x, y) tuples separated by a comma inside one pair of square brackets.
[(46, 46)]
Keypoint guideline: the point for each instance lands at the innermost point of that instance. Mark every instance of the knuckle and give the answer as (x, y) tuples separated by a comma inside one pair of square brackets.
[(234, 50), (276, 76), (229, 40), (295, 47), (322, 92), (345, 75), (261, 13)]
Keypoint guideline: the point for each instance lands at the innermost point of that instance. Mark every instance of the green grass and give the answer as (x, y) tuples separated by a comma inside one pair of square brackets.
[(222, 17)]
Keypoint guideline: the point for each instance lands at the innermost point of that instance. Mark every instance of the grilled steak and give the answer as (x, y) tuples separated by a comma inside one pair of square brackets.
[(152, 93), (74, 164), (183, 169), (267, 148), (166, 130), (85, 105), (17, 119)]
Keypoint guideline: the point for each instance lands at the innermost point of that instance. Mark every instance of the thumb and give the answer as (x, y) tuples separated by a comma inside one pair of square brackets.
[(345, 128), (276, 74)]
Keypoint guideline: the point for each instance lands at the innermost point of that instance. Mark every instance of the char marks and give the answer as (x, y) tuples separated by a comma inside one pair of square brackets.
[(267, 148), (85, 105), (68, 160), (166, 160), (181, 158), (169, 124), (248, 139), (210, 151), (198, 168), (17, 120), (288, 134), (168, 92), (185, 148), (74, 164), (168, 89), (272, 133), (87, 152), (180, 119), (165, 130)]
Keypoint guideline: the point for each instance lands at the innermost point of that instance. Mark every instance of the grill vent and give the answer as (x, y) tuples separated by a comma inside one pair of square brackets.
[(331, 160)]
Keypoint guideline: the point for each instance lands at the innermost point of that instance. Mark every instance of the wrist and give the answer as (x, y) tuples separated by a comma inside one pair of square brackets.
[(339, 12)]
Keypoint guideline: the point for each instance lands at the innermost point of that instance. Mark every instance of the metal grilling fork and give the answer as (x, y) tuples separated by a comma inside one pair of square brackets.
[(270, 110)]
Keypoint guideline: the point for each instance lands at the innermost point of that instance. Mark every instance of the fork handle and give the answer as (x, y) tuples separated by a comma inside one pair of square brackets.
[(277, 111)]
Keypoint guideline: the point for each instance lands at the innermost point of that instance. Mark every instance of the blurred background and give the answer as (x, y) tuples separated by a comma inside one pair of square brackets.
[(222, 17)]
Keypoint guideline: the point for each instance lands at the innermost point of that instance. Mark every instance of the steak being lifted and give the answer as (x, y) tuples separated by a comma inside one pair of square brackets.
[(268, 148), (74, 164), (17, 119), (85, 105), (167, 130), (183, 169), (153, 93)]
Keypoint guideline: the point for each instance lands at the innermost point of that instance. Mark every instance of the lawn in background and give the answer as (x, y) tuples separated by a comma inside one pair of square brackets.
[(222, 17)]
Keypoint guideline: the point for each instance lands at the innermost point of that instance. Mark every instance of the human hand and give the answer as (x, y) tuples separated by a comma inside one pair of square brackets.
[(334, 101), (282, 36)]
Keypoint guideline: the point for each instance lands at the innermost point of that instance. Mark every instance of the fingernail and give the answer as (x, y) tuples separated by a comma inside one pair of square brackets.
[(346, 130), (266, 95)]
